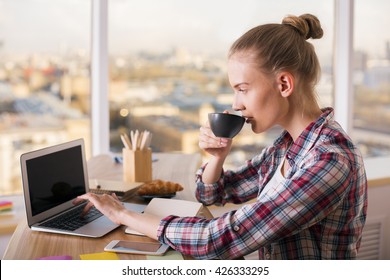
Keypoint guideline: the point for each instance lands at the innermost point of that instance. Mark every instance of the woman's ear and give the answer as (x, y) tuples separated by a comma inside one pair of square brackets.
[(285, 82)]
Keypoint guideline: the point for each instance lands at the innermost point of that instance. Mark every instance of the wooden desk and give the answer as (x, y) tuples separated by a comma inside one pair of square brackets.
[(27, 244)]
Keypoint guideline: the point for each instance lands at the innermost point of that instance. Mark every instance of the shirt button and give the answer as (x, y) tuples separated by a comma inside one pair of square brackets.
[(267, 256), (236, 228)]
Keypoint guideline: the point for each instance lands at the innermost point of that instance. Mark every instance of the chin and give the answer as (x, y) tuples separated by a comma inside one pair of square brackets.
[(257, 129)]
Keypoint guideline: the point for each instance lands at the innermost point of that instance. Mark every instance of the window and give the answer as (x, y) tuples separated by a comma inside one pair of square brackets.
[(167, 70), (371, 77), (168, 66), (44, 79)]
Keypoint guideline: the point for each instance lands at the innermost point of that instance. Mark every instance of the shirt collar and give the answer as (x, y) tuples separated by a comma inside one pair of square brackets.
[(306, 139)]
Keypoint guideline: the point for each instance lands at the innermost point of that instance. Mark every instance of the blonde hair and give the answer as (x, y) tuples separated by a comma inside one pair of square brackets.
[(279, 47)]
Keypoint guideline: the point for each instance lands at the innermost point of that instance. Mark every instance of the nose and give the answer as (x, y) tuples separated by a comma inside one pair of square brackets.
[(237, 104)]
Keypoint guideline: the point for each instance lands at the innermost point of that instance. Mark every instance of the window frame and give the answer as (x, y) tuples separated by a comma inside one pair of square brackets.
[(99, 78), (343, 64)]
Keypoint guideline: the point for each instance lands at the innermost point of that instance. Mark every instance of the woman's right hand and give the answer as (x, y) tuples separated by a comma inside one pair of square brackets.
[(215, 146)]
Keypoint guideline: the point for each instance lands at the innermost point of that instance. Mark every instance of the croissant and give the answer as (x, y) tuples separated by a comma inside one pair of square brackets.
[(159, 187)]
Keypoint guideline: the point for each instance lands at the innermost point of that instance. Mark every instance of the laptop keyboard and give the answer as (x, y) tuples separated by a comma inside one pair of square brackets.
[(72, 219)]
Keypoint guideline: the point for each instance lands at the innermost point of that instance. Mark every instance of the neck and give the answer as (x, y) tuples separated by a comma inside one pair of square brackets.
[(298, 119)]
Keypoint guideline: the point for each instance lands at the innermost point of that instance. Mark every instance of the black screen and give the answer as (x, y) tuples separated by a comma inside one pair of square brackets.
[(55, 178)]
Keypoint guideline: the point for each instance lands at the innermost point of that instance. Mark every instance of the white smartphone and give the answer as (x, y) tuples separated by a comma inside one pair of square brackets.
[(131, 247)]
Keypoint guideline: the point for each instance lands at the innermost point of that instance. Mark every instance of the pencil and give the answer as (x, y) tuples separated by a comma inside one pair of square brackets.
[(124, 142), (127, 140)]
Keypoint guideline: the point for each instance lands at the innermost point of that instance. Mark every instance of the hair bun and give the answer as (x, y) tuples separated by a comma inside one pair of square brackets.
[(307, 25)]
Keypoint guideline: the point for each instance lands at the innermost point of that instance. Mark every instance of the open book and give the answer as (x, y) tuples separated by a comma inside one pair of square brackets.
[(163, 207)]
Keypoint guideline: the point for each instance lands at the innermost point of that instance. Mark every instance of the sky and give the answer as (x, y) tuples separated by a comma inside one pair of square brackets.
[(155, 25), (203, 24)]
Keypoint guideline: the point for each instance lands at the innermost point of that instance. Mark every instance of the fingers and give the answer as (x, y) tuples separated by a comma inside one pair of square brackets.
[(88, 206), (81, 198), (212, 142), (78, 200), (207, 139), (115, 196), (86, 209), (109, 205), (207, 135)]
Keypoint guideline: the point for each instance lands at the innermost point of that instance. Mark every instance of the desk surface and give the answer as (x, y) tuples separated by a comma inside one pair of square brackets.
[(27, 244)]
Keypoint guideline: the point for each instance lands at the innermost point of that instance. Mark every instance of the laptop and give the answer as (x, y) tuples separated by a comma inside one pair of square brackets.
[(52, 178)]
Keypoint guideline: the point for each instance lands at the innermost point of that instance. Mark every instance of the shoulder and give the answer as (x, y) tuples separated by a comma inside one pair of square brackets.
[(334, 141)]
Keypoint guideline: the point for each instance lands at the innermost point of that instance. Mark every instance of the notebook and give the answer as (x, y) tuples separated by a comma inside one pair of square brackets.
[(163, 207), (123, 190), (52, 178)]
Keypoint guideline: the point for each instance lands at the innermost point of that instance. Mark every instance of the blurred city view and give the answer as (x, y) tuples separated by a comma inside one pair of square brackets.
[(171, 94), (45, 100)]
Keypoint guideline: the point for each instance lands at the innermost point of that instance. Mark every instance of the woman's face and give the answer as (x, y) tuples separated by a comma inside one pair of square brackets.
[(256, 93)]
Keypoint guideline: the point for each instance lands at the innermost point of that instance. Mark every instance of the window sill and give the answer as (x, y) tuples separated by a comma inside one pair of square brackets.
[(378, 172)]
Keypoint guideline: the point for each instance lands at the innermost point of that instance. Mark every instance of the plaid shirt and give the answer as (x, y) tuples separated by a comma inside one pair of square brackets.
[(317, 212)]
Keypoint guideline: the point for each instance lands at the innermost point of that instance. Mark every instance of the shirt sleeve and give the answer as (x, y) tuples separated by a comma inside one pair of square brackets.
[(301, 201), (236, 187)]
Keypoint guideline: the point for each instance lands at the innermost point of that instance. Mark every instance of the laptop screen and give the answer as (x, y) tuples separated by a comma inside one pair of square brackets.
[(55, 178)]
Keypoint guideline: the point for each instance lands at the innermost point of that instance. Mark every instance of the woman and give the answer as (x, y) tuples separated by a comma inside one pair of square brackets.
[(310, 185)]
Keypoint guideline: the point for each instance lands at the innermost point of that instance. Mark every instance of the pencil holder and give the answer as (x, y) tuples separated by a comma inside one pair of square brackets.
[(137, 165)]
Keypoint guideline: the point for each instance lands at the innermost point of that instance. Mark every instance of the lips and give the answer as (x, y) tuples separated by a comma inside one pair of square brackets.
[(247, 119)]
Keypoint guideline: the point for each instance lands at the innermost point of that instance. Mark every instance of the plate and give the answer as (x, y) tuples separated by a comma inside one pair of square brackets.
[(150, 197)]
